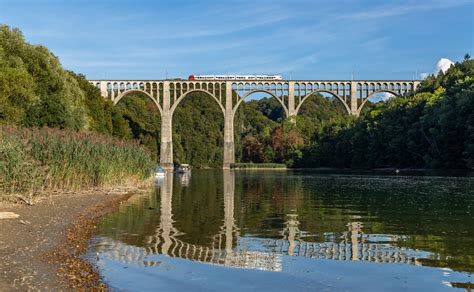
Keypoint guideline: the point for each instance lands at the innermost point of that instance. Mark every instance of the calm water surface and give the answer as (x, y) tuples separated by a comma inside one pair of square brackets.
[(281, 231)]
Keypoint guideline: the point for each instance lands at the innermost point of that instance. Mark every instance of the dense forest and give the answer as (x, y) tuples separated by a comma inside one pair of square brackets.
[(434, 128)]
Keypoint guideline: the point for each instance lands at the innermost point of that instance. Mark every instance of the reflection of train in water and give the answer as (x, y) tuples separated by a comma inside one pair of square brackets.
[(235, 77)]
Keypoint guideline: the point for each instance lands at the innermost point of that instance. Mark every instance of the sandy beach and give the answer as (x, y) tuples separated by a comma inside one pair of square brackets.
[(40, 250)]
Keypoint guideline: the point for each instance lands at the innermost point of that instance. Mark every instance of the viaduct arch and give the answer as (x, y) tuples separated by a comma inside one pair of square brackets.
[(229, 94)]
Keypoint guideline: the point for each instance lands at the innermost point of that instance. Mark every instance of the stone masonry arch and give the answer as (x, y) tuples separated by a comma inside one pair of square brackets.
[(322, 91), (241, 99), (125, 93), (364, 101), (180, 98)]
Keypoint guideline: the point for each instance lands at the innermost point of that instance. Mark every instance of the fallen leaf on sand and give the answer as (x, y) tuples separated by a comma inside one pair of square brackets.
[(8, 215)]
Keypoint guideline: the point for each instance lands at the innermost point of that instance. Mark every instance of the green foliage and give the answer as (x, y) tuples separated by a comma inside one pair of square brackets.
[(321, 109), (34, 87), (99, 110), (269, 107), (198, 131), (318, 112), (253, 132), (17, 86), (137, 116), (16, 94), (264, 135), (121, 126)]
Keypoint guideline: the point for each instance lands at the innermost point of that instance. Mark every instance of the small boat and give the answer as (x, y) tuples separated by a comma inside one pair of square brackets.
[(184, 178), (183, 168), (159, 171)]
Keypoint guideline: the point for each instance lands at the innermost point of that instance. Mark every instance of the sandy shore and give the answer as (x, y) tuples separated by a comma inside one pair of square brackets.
[(40, 250)]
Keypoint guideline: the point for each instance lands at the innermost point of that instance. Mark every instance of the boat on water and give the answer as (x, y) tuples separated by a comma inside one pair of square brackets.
[(183, 168), (184, 178), (159, 171)]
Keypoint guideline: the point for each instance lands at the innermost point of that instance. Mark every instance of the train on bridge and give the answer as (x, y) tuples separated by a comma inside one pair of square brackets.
[(235, 77)]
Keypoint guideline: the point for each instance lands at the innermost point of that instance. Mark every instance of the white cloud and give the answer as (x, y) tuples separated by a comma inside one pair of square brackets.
[(443, 65)]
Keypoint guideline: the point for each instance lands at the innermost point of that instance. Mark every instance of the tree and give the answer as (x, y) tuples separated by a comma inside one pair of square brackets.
[(32, 80)]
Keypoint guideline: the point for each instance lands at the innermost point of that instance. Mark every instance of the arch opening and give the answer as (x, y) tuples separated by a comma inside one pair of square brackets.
[(132, 92), (137, 116), (260, 94), (335, 99), (376, 100), (198, 130), (322, 106), (256, 116), (192, 92)]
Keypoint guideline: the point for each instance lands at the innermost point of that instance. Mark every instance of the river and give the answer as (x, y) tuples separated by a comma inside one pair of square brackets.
[(220, 230)]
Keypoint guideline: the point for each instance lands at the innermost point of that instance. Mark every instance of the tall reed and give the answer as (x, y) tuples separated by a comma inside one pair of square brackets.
[(36, 160)]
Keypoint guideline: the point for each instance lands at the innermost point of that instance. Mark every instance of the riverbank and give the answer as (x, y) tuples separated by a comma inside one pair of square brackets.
[(258, 166), (390, 171), (40, 250)]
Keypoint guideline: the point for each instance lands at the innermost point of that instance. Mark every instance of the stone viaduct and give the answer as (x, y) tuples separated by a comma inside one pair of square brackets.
[(167, 94)]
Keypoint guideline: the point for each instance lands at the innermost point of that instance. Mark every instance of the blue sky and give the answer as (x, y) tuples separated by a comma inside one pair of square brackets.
[(298, 39)]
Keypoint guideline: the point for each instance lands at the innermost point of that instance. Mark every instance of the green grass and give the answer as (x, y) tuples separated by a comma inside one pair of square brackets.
[(34, 161), (258, 166)]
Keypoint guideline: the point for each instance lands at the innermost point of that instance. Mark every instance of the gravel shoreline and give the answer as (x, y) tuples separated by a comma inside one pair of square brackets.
[(41, 249)]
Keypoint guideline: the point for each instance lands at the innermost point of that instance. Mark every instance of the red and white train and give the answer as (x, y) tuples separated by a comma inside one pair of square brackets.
[(235, 77)]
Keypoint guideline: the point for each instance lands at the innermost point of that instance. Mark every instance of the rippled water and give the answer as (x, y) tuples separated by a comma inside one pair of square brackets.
[(289, 230)]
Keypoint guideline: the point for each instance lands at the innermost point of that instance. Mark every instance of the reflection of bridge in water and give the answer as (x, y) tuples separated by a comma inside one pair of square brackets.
[(353, 245)]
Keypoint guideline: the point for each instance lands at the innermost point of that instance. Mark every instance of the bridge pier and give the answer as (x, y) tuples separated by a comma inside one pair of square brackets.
[(166, 146), (291, 114), (103, 89), (229, 154), (353, 105)]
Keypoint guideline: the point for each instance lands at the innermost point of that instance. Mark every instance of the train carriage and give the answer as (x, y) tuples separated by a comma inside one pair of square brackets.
[(235, 77)]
